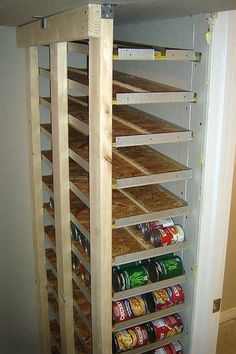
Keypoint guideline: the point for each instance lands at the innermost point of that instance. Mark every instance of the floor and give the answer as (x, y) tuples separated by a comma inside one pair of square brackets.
[(227, 338)]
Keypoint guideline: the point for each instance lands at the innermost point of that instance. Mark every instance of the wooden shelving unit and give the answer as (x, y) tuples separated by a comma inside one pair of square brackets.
[(106, 176)]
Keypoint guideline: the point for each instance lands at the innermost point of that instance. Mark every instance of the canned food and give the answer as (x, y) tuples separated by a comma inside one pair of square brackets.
[(164, 298), (75, 233), (130, 338), (165, 268), (121, 311), (172, 348), (51, 203), (164, 327), (147, 227), (167, 235), (138, 305), (130, 277)]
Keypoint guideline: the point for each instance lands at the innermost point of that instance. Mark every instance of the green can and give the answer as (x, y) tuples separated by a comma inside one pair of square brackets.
[(130, 277), (165, 268)]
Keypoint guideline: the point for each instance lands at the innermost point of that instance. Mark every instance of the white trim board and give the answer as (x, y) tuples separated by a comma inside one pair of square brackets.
[(228, 315), (217, 183)]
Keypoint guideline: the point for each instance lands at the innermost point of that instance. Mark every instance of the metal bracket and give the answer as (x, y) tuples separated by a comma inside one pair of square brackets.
[(43, 21), (107, 11)]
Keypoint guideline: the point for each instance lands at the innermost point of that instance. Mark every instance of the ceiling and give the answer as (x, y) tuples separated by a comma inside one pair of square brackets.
[(15, 12)]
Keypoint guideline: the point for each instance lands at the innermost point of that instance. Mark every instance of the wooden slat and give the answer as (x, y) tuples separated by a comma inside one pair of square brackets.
[(70, 25), (36, 193), (100, 155), (58, 55)]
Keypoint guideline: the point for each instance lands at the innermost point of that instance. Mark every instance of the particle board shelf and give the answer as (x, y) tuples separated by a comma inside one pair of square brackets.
[(149, 287), (131, 166), (136, 51), (130, 126), (55, 333), (157, 344), (128, 89), (149, 317), (130, 206)]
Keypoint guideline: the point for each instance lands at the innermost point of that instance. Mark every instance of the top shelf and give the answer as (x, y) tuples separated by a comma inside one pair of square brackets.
[(134, 51)]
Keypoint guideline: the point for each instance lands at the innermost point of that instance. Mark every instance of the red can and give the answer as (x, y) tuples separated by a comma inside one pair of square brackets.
[(121, 311), (164, 298), (167, 236), (172, 348), (164, 327)]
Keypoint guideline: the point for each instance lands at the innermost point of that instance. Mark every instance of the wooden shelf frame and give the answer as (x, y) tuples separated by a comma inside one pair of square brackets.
[(82, 23), (135, 51)]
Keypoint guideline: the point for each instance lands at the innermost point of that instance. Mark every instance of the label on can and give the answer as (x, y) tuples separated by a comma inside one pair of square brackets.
[(122, 310), (168, 297), (134, 276), (138, 305), (130, 338), (167, 326), (172, 348), (170, 267)]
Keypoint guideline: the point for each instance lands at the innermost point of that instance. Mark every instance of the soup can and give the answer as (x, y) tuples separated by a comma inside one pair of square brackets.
[(172, 348), (130, 338), (121, 311), (130, 277), (147, 227), (164, 327), (167, 236), (164, 298)]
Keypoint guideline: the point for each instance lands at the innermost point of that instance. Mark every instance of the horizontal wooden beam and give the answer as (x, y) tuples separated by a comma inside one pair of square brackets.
[(71, 25)]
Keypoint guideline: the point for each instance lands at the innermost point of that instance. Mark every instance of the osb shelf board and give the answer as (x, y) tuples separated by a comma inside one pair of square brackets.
[(130, 89), (53, 302), (131, 166), (83, 332), (52, 258), (55, 330), (55, 333), (136, 51), (129, 126), (130, 206)]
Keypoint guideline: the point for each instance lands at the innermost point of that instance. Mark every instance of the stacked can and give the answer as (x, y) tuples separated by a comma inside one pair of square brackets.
[(172, 348), (164, 327), (124, 310), (164, 298), (129, 276), (80, 270), (147, 227), (165, 267), (78, 236), (130, 338), (150, 332)]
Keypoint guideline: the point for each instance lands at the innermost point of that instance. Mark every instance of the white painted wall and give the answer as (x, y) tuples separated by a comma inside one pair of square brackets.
[(18, 312)]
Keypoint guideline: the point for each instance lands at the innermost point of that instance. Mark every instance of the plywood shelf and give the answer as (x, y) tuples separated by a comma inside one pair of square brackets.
[(130, 126), (130, 206), (131, 166), (136, 51), (129, 89)]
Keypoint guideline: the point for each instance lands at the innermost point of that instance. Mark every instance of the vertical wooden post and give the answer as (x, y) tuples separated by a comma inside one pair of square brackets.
[(100, 177), (36, 192), (59, 110)]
